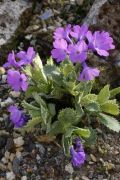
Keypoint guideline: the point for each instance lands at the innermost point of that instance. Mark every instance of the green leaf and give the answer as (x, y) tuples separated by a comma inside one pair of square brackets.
[(43, 107), (38, 65), (66, 118), (93, 107), (32, 123), (109, 122), (89, 99), (51, 108), (114, 92), (104, 95), (30, 91), (82, 132), (32, 110), (66, 143), (92, 139), (50, 61), (110, 107)]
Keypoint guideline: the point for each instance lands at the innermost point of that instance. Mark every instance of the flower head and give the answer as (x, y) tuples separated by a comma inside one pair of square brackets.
[(88, 73), (12, 61), (78, 52), (63, 33), (60, 51), (100, 42), (78, 32), (16, 80), (77, 153), (26, 57), (17, 116)]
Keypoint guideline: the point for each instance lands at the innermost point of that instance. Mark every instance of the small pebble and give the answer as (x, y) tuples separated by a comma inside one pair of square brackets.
[(4, 78), (24, 178), (85, 178), (93, 158), (69, 168), (15, 94), (2, 70), (7, 155), (10, 176), (19, 141), (4, 160)]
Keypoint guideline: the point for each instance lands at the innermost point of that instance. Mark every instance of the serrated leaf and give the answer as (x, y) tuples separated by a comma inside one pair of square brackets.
[(89, 99), (32, 110), (104, 95), (66, 118), (93, 137), (82, 132), (93, 107), (30, 91), (109, 122), (32, 123), (38, 64), (114, 92), (110, 107), (66, 143), (51, 108), (50, 61), (43, 107)]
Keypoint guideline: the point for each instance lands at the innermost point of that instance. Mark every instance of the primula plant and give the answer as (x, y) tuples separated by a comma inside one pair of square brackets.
[(59, 96)]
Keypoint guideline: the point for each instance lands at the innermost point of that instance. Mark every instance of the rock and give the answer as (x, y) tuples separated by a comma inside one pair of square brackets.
[(18, 154), (4, 78), (2, 71), (4, 160), (7, 155), (80, 2), (24, 178), (93, 158), (69, 168), (12, 155), (9, 144), (41, 148), (10, 13), (10, 176), (91, 18), (7, 102), (84, 178), (16, 163), (19, 141), (2, 166), (15, 94)]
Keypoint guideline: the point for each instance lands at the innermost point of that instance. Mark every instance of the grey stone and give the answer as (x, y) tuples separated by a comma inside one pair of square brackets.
[(91, 17), (10, 13)]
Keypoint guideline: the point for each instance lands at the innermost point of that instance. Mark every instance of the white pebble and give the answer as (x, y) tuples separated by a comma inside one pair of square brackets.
[(19, 141), (15, 94), (10, 176), (24, 178), (9, 101), (69, 168), (4, 78)]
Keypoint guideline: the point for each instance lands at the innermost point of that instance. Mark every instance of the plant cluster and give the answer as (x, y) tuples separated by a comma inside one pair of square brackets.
[(59, 96)]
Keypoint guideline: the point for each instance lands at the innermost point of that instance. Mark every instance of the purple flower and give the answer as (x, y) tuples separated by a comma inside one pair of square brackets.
[(88, 73), (12, 61), (77, 153), (100, 42), (79, 32), (17, 116), (16, 80), (26, 57), (60, 51), (78, 52), (63, 33)]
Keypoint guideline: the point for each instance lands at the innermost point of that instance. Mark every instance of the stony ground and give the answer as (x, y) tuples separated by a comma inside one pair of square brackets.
[(27, 157)]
